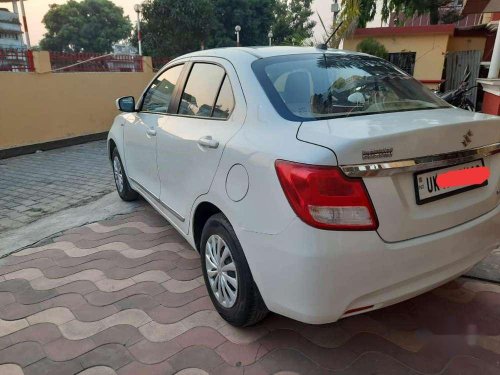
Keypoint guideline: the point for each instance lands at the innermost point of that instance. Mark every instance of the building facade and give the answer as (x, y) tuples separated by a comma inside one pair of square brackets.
[(438, 54), (11, 35)]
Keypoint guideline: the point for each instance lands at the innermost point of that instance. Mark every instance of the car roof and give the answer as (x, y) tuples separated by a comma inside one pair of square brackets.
[(264, 52)]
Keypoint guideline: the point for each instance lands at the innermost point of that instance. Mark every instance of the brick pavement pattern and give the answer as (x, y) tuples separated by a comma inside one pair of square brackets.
[(34, 185), (126, 296)]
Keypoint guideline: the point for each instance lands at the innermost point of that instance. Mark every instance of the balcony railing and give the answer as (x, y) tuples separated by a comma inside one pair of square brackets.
[(16, 60), (424, 20), (63, 62)]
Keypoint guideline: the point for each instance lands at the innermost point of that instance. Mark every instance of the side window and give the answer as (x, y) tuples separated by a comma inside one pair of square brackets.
[(160, 92), (225, 101), (201, 90)]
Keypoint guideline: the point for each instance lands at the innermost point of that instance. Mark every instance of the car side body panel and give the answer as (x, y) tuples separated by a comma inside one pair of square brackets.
[(312, 275)]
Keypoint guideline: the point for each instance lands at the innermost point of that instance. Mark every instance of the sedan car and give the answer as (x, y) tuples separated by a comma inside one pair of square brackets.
[(308, 179)]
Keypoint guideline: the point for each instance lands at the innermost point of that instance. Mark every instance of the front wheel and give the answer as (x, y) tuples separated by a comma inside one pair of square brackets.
[(227, 276), (121, 181)]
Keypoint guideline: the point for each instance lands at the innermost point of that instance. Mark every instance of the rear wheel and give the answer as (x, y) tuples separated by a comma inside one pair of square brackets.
[(121, 181), (227, 276)]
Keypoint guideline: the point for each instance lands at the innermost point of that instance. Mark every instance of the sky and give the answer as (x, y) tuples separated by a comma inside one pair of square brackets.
[(35, 10)]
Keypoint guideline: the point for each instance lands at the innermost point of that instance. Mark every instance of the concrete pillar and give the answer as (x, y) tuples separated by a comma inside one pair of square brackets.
[(147, 64), (495, 57), (491, 100), (41, 59), (14, 7), (25, 23)]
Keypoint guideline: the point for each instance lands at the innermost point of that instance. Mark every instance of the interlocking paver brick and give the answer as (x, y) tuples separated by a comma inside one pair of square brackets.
[(135, 368), (100, 298), (161, 320), (11, 369), (22, 354), (49, 367), (111, 355), (138, 301), (120, 334), (154, 352), (204, 336), (197, 357), (235, 354), (42, 333), (16, 311), (64, 349)]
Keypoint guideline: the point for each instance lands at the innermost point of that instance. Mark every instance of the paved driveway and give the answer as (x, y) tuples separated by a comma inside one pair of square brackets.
[(126, 296), (34, 185)]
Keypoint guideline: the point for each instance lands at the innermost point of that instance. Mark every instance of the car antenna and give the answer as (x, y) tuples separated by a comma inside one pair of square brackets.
[(325, 45)]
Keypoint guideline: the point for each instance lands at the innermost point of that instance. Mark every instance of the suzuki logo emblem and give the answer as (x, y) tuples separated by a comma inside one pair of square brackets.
[(467, 138)]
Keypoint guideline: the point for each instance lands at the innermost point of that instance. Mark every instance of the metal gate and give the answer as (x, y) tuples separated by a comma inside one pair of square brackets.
[(456, 62)]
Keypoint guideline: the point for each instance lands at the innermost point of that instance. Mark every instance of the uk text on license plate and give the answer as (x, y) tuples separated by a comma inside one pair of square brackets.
[(427, 189)]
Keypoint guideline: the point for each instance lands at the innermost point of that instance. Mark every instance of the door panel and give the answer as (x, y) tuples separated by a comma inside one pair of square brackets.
[(140, 152), (191, 145), (140, 132)]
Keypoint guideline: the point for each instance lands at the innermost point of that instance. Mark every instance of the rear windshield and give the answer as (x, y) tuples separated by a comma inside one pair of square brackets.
[(318, 86)]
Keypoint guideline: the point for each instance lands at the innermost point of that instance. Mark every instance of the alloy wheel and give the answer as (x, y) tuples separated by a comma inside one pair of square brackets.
[(221, 271), (118, 173)]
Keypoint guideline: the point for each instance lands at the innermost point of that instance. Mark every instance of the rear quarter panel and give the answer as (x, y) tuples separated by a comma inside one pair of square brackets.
[(264, 138)]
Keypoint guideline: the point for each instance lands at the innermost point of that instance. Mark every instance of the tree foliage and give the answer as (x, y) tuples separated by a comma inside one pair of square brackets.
[(89, 25), (254, 16), (357, 13), (292, 23), (174, 27), (372, 47), (408, 8)]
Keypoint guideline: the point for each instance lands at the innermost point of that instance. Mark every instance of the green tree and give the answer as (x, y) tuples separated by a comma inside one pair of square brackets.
[(175, 27), (372, 47), (292, 23), (419, 7), (356, 13), (254, 16), (89, 25)]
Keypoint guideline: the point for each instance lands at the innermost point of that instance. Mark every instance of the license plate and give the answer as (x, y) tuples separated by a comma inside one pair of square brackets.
[(427, 189)]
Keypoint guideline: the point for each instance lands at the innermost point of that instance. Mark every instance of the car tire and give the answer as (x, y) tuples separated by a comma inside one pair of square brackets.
[(121, 181), (246, 307)]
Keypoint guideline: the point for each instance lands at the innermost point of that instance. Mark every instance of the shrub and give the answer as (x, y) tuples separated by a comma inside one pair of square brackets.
[(372, 47)]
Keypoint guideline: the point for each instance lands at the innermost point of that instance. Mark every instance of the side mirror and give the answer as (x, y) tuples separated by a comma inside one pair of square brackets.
[(356, 98), (126, 104)]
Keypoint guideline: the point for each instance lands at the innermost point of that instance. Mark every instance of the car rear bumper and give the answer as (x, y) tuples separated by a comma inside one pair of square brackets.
[(316, 276)]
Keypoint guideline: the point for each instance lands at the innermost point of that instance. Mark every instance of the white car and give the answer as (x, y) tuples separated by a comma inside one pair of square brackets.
[(306, 178)]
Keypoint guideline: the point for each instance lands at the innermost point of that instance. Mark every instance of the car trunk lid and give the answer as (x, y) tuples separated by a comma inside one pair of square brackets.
[(403, 137)]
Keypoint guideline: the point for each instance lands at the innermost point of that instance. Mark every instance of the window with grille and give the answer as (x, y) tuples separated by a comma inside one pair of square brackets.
[(404, 60)]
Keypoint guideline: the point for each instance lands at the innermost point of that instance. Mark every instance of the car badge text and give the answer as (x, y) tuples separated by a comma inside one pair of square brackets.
[(377, 154), (467, 138)]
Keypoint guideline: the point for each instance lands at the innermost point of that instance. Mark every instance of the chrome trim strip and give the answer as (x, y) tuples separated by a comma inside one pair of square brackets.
[(419, 164), (156, 200)]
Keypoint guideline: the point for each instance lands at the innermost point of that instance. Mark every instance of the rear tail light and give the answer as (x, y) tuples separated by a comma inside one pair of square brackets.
[(325, 198)]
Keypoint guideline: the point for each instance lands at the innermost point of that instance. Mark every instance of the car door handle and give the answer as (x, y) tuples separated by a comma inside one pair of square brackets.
[(208, 142), (150, 132)]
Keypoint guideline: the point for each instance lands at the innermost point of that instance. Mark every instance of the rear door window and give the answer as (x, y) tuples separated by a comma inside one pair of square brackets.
[(202, 88), (225, 101)]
